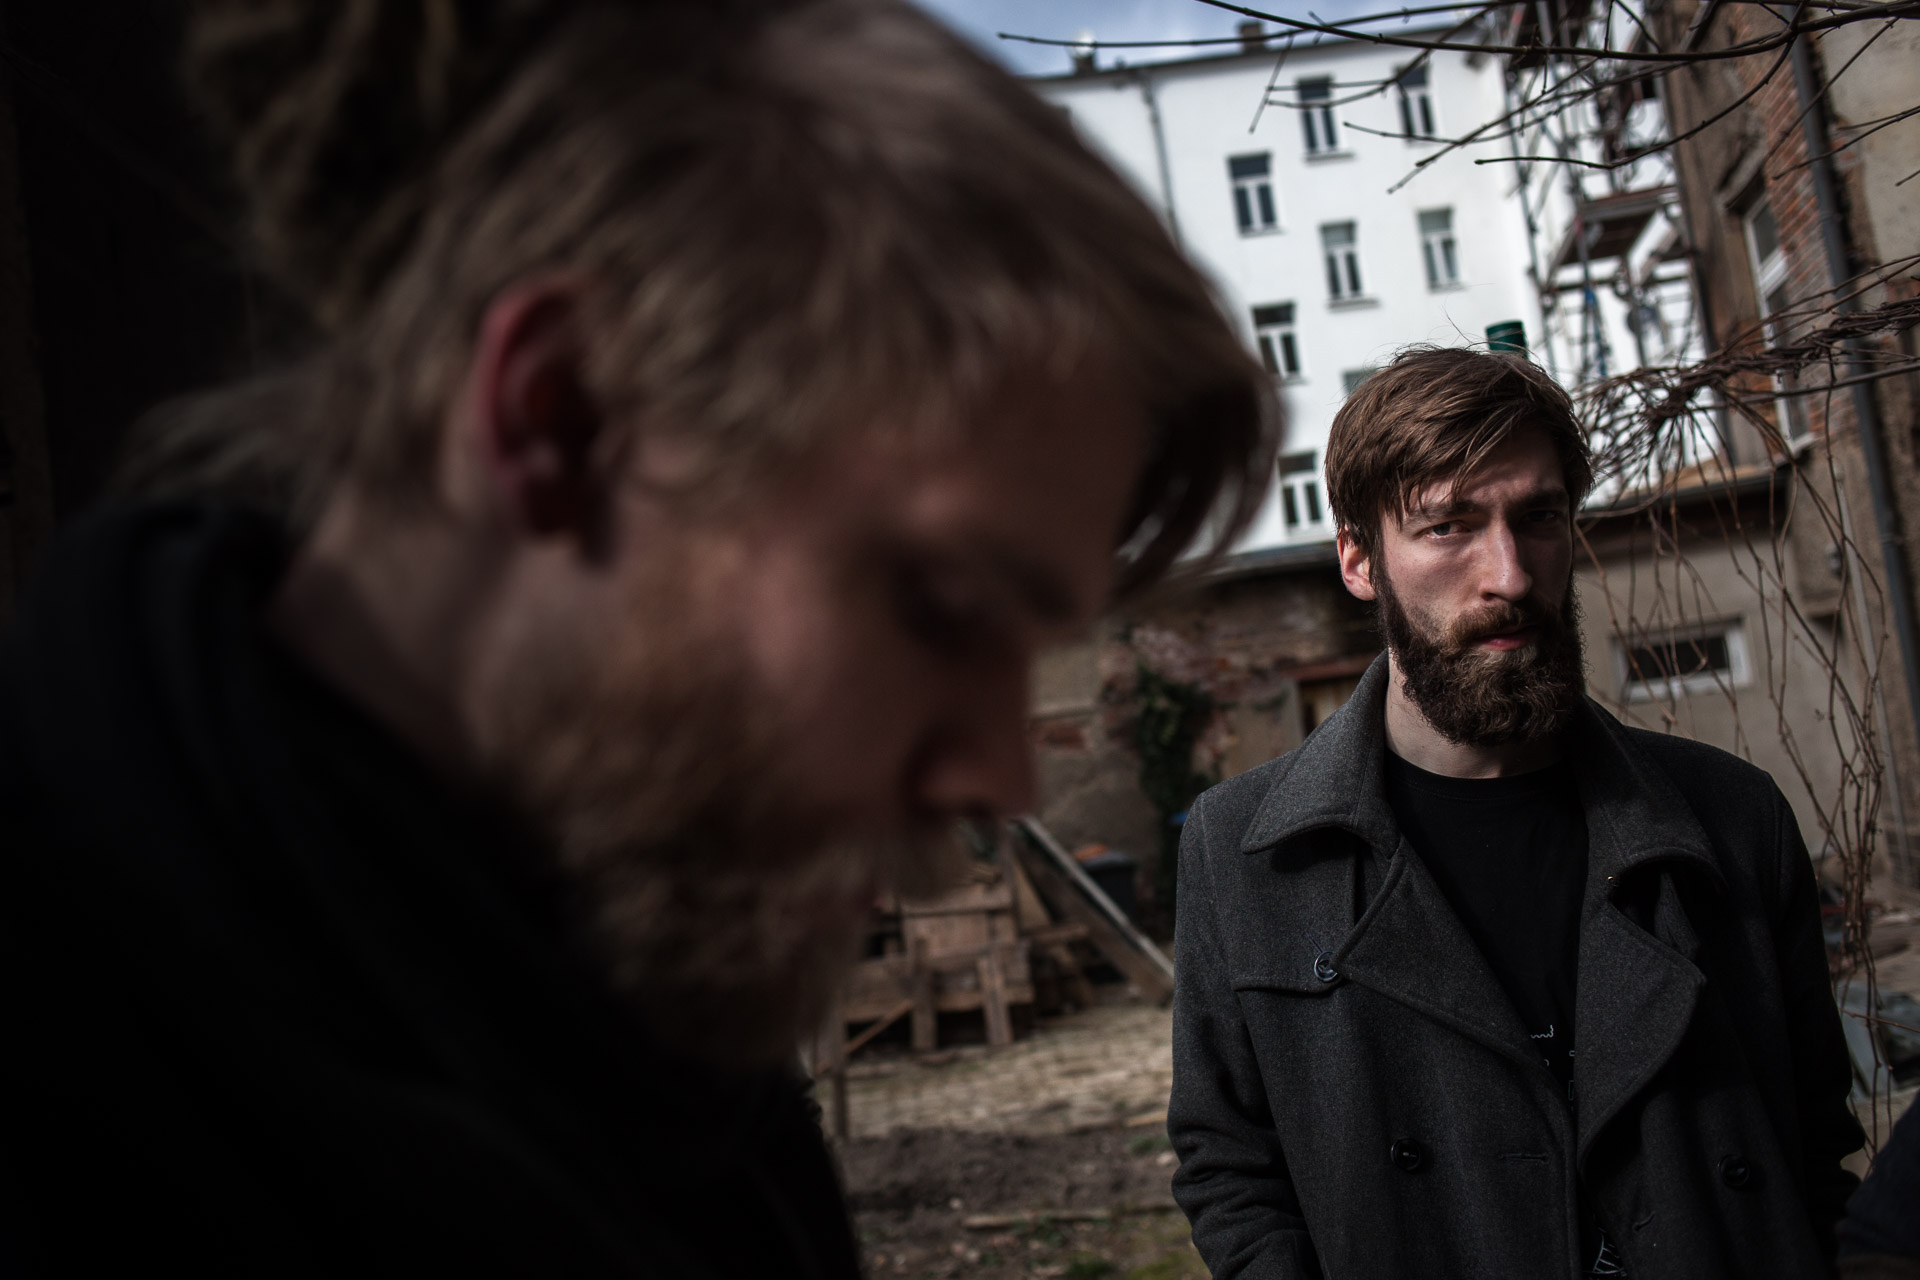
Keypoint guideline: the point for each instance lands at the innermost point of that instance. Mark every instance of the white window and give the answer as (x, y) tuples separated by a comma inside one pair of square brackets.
[(1316, 114), (1675, 664), (1436, 245), (1340, 240), (1350, 380), (1768, 263), (1300, 503), (1273, 334), (1416, 104), (1253, 206)]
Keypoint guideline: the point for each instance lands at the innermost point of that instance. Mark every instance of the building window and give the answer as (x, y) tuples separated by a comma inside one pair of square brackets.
[(1273, 334), (1341, 243), (1768, 262), (1316, 113), (1416, 104), (1436, 245), (1300, 492), (1350, 380), (1253, 206), (1676, 664)]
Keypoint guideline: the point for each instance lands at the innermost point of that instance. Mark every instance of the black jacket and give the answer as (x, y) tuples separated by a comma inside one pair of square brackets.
[(280, 1002), (1354, 1095), (1883, 1218)]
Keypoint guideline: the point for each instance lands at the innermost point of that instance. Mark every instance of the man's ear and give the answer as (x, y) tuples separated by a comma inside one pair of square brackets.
[(536, 427), (1356, 566)]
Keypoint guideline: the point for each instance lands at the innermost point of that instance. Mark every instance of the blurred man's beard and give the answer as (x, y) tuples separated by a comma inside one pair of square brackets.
[(1475, 696), (724, 906)]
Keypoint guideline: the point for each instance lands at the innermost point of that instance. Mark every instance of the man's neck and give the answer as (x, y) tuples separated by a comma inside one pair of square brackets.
[(1412, 737), (362, 605)]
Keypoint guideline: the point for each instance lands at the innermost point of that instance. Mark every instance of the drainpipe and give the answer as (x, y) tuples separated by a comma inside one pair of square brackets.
[(1866, 410), (1145, 81)]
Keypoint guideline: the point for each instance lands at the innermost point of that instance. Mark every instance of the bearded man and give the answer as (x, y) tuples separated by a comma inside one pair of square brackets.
[(1478, 982), (441, 798)]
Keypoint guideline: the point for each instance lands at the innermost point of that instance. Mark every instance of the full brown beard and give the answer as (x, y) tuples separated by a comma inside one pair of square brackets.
[(723, 905), (1484, 697)]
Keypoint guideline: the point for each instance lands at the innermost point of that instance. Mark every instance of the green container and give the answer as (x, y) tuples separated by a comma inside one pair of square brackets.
[(1508, 335)]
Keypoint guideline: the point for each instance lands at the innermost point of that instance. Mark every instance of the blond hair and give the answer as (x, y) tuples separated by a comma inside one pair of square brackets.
[(797, 215)]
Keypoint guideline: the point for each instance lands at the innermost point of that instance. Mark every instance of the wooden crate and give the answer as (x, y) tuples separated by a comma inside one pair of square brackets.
[(955, 953)]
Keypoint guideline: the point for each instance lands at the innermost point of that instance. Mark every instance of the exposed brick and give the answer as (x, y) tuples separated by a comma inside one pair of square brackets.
[(1067, 734)]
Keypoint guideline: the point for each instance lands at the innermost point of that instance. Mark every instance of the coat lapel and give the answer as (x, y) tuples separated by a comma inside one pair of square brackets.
[(1638, 981), (1408, 944), (1411, 947)]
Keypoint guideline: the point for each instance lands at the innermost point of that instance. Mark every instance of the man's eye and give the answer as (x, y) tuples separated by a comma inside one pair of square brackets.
[(1444, 528)]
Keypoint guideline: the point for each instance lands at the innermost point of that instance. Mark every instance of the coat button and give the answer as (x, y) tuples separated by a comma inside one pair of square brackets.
[(1737, 1172), (1407, 1155), (1323, 967)]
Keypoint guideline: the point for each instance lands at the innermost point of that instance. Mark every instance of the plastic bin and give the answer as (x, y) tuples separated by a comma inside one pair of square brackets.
[(1114, 872)]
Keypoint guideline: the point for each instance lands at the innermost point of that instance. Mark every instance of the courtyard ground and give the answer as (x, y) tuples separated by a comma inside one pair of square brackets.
[(1045, 1158)]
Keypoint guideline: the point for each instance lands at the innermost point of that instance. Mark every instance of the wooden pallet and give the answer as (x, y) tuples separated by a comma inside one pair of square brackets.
[(955, 953)]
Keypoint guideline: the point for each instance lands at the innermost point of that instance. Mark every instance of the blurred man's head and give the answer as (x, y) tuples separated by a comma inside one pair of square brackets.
[(1454, 475), (721, 405)]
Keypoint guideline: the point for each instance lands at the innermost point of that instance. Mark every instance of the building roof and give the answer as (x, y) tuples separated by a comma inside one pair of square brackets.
[(1288, 557), (1271, 46)]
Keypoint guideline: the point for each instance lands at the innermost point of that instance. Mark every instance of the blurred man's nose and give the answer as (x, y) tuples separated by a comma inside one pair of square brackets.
[(979, 759), (1503, 573)]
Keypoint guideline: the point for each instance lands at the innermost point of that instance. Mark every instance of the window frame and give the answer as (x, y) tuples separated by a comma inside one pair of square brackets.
[(1277, 340), (1302, 492), (1769, 276), (1348, 256), (1318, 107), (1737, 674), (1442, 242), (1253, 194), (1416, 92)]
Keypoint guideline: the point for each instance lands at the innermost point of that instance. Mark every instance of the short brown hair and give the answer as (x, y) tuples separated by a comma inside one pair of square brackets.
[(796, 215), (1433, 415)]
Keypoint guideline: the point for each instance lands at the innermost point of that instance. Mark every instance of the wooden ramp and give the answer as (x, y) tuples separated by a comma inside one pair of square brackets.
[(1071, 892)]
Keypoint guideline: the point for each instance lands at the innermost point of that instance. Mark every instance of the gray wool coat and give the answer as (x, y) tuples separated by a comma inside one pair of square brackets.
[(1355, 1097)]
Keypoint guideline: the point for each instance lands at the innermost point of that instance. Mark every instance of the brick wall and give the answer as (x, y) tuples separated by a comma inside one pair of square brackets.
[(1263, 646), (1757, 149)]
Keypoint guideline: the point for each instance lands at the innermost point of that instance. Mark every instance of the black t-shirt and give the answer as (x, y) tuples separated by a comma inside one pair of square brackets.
[(1511, 856)]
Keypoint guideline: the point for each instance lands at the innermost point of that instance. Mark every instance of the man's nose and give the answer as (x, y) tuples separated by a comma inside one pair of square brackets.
[(978, 760), (1502, 571)]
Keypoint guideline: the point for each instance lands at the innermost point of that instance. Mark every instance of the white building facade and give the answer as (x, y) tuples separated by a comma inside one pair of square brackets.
[(1292, 209)]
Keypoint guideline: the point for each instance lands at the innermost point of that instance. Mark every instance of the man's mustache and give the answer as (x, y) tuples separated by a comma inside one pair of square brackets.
[(1498, 619)]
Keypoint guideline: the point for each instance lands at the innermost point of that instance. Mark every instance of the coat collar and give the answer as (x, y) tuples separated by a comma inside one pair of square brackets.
[(1335, 778), (1635, 816)]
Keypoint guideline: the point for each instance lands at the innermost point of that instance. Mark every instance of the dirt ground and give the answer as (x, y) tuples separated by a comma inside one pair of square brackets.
[(1084, 1071), (1046, 1158), (945, 1202)]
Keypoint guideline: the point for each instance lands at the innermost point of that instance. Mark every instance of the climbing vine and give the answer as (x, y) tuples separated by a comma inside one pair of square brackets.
[(1168, 720)]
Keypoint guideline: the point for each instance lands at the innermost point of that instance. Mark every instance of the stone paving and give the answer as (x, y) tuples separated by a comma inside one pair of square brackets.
[(1086, 1070)]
